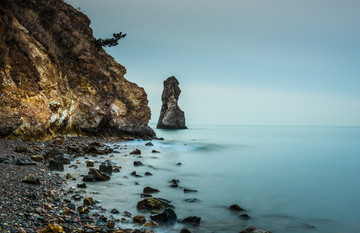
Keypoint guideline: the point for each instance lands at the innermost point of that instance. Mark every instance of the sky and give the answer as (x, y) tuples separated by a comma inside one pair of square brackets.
[(246, 62)]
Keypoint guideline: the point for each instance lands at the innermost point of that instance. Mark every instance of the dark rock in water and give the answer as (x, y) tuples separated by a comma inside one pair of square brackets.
[(83, 185), (110, 224), (150, 190), (139, 219), (149, 144), (235, 207), (190, 190), (171, 116), (192, 200), (138, 163), (148, 174), (64, 158), (116, 169), (127, 214), (184, 230), (193, 220), (136, 152), (168, 216), (245, 216), (134, 174), (24, 162), (178, 164), (254, 230), (174, 186), (89, 201), (98, 175), (96, 144), (150, 204), (155, 151), (55, 165), (114, 211), (77, 197), (88, 178), (106, 167)]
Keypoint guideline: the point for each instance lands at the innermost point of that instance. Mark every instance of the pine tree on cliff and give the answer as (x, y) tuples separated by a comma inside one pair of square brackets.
[(109, 42)]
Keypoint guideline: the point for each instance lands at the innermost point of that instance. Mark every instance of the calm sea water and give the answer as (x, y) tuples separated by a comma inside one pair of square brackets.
[(288, 179)]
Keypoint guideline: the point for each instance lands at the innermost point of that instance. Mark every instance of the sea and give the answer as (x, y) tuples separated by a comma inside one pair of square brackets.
[(288, 179)]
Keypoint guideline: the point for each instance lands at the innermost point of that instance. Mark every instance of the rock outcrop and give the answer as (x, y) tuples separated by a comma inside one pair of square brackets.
[(171, 116), (54, 79)]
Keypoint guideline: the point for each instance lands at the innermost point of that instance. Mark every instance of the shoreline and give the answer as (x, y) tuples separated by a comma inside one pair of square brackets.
[(52, 206)]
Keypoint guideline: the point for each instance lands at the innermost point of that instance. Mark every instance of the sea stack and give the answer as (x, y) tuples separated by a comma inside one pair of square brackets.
[(56, 81), (171, 116)]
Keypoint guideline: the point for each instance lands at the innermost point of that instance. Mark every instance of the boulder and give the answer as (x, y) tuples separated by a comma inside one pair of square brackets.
[(171, 116), (168, 216), (31, 179), (150, 190), (55, 165), (106, 167), (150, 204), (139, 219), (138, 163), (193, 220), (135, 152), (235, 207), (98, 175)]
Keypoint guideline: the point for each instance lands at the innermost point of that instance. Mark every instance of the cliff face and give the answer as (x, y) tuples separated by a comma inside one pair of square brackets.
[(171, 116), (55, 81)]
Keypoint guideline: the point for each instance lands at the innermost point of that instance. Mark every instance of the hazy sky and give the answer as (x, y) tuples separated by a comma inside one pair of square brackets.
[(277, 62)]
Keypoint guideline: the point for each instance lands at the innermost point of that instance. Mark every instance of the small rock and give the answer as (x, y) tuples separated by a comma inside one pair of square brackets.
[(114, 211), (178, 164), (245, 216), (192, 200), (106, 167), (253, 230), (68, 176), (184, 230), (168, 216), (155, 151), (139, 219), (236, 207), (148, 174), (53, 228), (150, 190), (88, 178), (136, 152), (90, 163), (77, 197), (145, 195), (116, 169), (55, 165), (110, 224), (193, 220), (21, 149), (89, 201), (151, 223), (190, 190), (149, 144), (134, 174), (82, 185), (37, 158), (30, 179), (138, 163)]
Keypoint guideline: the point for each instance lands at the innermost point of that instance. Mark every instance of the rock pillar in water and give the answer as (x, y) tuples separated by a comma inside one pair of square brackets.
[(171, 116)]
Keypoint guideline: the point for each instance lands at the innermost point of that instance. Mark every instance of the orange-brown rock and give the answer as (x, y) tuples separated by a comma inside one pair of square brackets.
[(54, 80)]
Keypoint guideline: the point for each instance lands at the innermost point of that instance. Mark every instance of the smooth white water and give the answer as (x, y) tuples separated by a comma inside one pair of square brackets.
[(289, 179)]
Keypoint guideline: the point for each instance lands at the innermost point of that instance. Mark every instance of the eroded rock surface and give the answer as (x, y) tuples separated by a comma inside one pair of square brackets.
[(171, 116), (54, 80)]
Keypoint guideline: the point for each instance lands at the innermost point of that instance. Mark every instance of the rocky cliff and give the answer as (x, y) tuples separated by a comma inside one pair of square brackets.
[(171, 116), (54, 80)]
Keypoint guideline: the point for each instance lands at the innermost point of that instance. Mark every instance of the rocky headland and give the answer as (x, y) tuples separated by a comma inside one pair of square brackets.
[(171, 116), (55, 80)]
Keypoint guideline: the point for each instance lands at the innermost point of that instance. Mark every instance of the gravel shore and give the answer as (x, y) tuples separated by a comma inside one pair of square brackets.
[(40, 204)]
